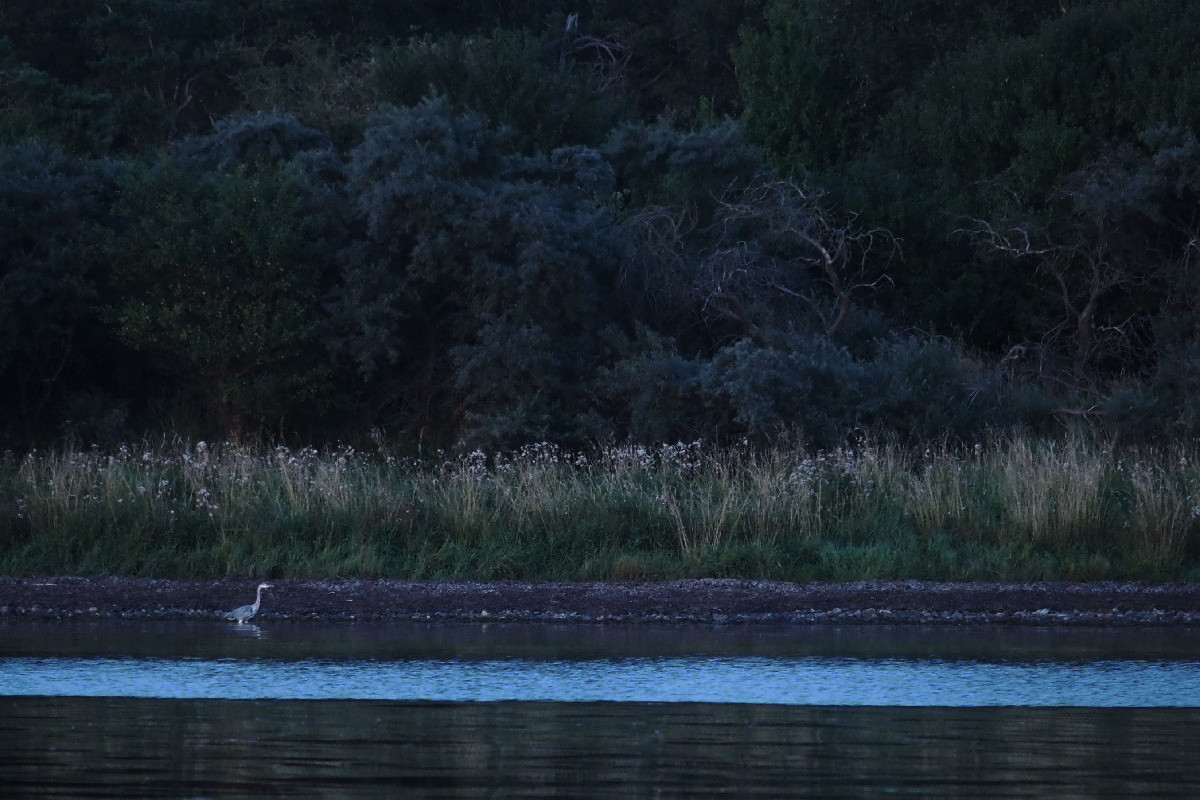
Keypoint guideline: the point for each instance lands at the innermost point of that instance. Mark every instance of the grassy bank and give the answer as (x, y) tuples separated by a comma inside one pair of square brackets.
[(1010, 510)]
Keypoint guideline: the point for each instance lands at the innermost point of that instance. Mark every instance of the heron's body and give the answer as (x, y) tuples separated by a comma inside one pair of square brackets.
[(243, 613)]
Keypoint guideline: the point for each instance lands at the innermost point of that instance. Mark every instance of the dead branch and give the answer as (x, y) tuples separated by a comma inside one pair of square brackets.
[(609, 54), (790, 213), (1081, 271), (765, 238), (176, 98)]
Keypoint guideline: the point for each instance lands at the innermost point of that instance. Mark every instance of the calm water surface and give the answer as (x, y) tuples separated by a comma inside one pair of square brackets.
[(210, 710)]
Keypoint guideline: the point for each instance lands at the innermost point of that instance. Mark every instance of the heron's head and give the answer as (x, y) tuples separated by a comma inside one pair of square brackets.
[(266, 586)]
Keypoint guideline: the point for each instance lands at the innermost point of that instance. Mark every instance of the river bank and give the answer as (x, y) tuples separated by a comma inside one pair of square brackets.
[(714, 601), (1013, 510)]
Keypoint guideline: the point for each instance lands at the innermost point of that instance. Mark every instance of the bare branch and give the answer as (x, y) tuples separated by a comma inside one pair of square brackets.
[(790, 214), (1017, 241), (757, 244), (610, 54)]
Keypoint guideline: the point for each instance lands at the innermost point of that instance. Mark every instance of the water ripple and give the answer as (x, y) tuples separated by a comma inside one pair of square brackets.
[(758, 680)]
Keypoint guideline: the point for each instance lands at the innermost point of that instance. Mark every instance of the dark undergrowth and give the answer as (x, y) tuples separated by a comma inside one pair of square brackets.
[(1011, 510)]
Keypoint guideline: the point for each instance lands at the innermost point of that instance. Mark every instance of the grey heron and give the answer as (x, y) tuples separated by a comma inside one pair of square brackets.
[(243, 613)]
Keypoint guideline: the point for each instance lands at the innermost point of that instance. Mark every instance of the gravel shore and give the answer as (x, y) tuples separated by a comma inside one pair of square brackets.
[(696, 600)]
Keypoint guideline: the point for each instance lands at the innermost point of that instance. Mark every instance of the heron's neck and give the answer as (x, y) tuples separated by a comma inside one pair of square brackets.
[(258, 599)]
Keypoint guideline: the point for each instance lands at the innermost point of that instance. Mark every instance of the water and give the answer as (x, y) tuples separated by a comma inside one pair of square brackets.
[(122, 747), (209, 710), (753, 680)]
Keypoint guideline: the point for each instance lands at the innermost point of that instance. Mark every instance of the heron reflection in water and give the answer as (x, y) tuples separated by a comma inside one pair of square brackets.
[(243, 613)]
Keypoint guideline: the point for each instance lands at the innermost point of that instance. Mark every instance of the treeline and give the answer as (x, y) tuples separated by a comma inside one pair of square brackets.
[(485, 223)]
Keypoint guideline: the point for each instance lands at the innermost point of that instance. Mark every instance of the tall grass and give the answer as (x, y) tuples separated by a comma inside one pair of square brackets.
[(1013, 509)]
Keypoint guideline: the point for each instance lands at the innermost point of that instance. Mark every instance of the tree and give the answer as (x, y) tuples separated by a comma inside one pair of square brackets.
[(726, 250), (218, 286), (1002, 123), (770, 259), (34, 105), (474, 299), (679, 52), (51, 208), (322, 82), (819, 75), (1118, 242), (564, 92)]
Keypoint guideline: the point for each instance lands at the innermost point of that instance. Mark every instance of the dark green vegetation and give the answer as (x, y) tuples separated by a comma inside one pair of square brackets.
[(488, 224), (464, 225), (1003, 510)]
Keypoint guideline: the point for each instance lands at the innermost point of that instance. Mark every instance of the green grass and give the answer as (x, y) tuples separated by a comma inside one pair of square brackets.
[(1014, 509)]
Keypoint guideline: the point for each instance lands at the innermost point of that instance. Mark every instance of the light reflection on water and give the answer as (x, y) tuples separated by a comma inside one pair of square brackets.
[(134, 748), (467, 641), (772, 725), (757, 680)]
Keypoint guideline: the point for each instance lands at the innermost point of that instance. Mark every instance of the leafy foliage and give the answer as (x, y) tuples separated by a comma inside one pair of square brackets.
[(52, 206), (1116, 242), (473, 253), (216, 285), (820, 75), (482, 223), (1037, 107), (680, 52), (318, 81), (554, 92), (1002, 123), (36, 106)]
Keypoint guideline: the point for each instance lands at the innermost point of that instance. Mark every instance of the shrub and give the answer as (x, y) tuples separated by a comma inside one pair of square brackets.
[(217, 286), (469, 250), (50, 279), (549, 97)]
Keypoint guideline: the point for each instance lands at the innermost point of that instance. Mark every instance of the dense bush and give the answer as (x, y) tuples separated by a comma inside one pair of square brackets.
[(1005, 121), (215, 284), (51, 343), (489, 224), (820, 74), (554, 93), (483, 271), (37, 106)]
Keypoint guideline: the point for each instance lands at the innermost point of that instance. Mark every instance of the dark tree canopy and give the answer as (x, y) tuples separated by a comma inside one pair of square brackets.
[(481, 224)]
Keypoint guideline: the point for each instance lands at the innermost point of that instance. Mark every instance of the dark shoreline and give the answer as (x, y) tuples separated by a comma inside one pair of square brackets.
[(711, 601)]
